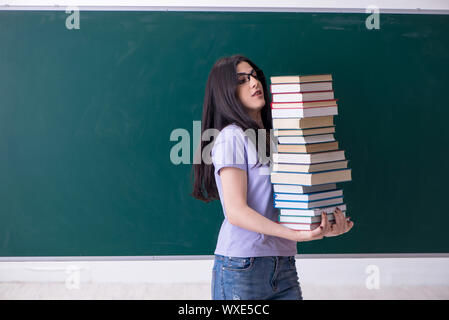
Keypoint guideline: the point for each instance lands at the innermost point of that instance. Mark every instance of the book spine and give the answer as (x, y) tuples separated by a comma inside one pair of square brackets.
[(309, 201), (278, 206), (301, 103), (311, 173), (304, 107), (304, 92)]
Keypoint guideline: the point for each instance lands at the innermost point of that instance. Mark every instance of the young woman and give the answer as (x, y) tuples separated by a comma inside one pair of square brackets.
[(254, 256)]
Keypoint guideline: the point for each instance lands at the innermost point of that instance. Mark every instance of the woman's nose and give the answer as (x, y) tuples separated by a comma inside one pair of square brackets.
[(252, 81)]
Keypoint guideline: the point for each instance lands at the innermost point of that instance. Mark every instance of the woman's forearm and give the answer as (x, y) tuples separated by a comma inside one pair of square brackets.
[(247, 218)]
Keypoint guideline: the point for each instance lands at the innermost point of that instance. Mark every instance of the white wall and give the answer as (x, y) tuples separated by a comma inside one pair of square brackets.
[(333, 271)]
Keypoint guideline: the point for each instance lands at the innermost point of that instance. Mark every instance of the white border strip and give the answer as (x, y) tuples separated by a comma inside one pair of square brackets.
[(211, 257), (223, 9), (350, 6)]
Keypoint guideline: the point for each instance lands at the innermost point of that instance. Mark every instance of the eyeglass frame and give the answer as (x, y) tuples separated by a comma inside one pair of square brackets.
[(258, 75)]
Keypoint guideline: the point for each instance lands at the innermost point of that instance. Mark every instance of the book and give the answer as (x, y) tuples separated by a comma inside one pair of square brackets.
[(286, 188), (308, 139), (301, 87), (325, 166), (307, 205), (301, 158), (301, 226), (309, 179), (303, 96), (311, 212), (308, 196), (301, 78), (308, 148), (309, 220), (302, 132), (304, 112), (303, 104), (303, 123)]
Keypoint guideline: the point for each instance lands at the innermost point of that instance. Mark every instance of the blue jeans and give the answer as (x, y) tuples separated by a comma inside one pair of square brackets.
[(255, 278)]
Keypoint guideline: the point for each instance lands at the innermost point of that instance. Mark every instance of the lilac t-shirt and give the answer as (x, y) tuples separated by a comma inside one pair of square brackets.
[(233, 149)]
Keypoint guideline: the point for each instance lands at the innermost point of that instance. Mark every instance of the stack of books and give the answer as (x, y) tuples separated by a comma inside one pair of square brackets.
[(308, 163)]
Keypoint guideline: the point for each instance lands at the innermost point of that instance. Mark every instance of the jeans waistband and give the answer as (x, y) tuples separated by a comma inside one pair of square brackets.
[(225, 258)]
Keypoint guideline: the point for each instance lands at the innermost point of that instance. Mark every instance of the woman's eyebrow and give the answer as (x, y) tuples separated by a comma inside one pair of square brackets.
[(247, 72)]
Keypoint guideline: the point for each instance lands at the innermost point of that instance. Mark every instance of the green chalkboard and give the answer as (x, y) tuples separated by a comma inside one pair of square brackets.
[(86, 117)]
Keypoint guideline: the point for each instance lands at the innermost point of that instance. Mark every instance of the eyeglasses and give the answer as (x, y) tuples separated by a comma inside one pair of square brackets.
[(246, 77)]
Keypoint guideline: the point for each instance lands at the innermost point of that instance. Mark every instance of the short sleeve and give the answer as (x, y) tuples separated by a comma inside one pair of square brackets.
[(229, 150)]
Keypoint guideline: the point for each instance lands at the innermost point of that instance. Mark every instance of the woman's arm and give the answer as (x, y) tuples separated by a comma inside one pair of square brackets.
[(238, 212)]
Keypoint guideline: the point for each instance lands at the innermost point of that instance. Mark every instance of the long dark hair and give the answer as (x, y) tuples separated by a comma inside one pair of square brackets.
[(222, 107)]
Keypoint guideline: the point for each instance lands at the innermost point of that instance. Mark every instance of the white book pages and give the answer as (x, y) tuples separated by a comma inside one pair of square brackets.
[(301, 87), (308, 158), (288, 188), (304, 112), (308, 197), (308, 205), (307, 139), (311, 212), (299, 97)]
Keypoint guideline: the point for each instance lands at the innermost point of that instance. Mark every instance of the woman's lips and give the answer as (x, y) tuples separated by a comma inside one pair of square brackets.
[(258, 93)]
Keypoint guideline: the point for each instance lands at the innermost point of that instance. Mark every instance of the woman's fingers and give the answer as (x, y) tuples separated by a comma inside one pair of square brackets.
[(340, 226), (325, 222), (340, 221), (349, 225), (318, 233)]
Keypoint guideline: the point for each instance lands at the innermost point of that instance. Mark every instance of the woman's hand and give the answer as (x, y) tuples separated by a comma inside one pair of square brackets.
[(341, 225), (315, 234), (326, 229)]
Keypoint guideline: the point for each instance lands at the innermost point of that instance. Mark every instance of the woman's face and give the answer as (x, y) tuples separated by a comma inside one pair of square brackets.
[(249, 92)]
